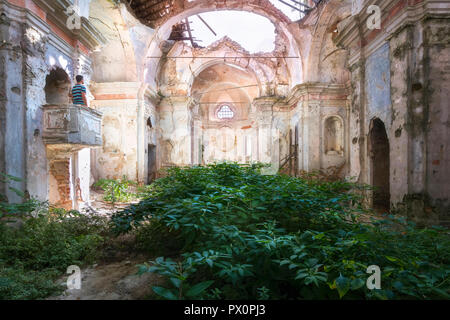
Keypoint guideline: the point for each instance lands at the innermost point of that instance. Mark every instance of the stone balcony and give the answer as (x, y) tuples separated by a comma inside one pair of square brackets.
[(73, 125)]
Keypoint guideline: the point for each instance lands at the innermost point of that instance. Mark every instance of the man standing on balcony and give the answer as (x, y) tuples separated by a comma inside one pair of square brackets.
[(78, 93)]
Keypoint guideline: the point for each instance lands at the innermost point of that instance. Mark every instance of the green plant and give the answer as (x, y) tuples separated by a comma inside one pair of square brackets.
[(32, 256), (17, 283), (26, 207), (297, 238), (116, 190), (178, 274)]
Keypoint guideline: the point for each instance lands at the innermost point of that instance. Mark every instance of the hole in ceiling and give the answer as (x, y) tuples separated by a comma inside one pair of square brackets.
[(293, 9)]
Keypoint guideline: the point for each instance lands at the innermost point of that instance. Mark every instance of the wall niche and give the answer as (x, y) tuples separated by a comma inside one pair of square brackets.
[(333, 136)]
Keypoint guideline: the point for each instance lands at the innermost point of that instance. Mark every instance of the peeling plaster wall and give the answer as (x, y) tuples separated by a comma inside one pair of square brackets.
[(118, 156), (115, 62), (83, 173), (35, 74), (125, 132), (437, 39), (33, 49), (13, 109), (175, 124), (377, 85), (400, 76), (285, 43), (400, 143)]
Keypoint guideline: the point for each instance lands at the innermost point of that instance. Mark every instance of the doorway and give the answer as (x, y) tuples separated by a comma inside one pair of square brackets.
[(380, 167), (151, 163)]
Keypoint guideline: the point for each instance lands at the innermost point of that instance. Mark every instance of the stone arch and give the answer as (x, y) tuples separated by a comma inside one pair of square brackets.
[(260, 7), (197, 69), (329, 14), (188, 8), (57, 86)]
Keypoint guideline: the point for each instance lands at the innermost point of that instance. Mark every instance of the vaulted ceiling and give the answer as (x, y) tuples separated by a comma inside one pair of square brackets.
[(155, 12)]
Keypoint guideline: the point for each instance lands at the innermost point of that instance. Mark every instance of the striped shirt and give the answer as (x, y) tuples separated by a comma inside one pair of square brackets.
[(77, 94)]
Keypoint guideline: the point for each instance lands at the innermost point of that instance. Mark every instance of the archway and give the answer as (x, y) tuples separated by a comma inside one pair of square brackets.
[(285, 44), (57, 86), (379, 153)]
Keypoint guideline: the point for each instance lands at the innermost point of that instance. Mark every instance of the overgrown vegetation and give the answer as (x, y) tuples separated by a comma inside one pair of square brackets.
[(49, 240), (28, 205), (116, 190), (229, 232), (31, 257)]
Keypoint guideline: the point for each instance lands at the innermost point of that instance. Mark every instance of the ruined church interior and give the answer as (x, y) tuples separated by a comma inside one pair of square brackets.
[(331, 108)]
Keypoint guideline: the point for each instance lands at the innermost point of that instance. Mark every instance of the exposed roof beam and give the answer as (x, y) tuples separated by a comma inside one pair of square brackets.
[(201, 19), (302, 4), (189, 32), (302, 11)]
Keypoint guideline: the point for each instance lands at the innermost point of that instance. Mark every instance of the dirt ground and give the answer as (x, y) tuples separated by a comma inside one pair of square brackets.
[(114, 276), (112, 281)]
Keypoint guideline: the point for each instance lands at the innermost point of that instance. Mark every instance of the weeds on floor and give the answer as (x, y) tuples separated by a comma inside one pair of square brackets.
[(116, 190), (229, 232), (49, 240)]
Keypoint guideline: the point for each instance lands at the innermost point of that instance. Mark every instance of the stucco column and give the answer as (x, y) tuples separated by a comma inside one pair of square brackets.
[(175, 123), (400, 143), (264, 113), (356, 140), (312, 121), (196, 136)]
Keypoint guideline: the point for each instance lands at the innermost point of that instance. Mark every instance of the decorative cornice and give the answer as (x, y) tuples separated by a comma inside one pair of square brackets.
[(395, 16), (88, 35), (317, 91)]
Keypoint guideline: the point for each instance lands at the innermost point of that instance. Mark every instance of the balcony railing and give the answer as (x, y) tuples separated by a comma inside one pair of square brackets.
[(72, 124)]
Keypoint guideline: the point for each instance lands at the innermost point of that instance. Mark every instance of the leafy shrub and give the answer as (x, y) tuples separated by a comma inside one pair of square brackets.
[(17, 283), (32, 256), (280, 237), (28, 205), (48, 241), (116, 190), (178, 274)]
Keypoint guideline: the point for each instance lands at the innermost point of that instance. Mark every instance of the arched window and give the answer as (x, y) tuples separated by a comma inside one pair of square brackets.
[(225, 112)]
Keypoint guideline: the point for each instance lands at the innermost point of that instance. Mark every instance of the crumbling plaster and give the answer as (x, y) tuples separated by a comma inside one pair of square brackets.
[(30, 52), (391, 72), (335, 68)]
